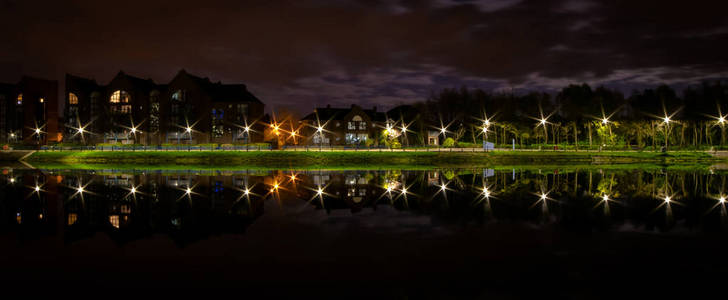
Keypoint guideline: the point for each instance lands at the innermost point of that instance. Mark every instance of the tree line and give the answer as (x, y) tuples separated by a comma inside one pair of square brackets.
[(579, 116)]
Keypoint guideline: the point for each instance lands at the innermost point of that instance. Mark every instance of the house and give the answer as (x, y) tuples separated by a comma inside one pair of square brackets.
[(189, 109), (216, 112), (342, 126), (29, 111)]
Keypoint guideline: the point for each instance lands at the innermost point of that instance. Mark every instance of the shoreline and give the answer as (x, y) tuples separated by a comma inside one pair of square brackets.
[(361, 159)]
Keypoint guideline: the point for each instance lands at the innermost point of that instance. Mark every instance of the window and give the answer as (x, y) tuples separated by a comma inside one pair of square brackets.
[(20, 99), (352, 126), (179, 95), (72, 99), (119, 97), (95, 96), (242, 110), (154, 111), (218, 115), (362, 125), (119, 100)]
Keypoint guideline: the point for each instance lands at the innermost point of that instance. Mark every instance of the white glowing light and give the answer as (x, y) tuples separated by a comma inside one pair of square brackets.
[(605, 121), (544, 196), (188, 129), (404, 190), (319, 129), (605, 198), (247, 128), (80, 189), (319, 191), (667, 199), (543, 121), (443, 130), (721, 120), (80, 130), (666, 119), (133, 130), (188, 191), (133, 190), (37, 131), (721, 200), (37, 188), (246, 192)]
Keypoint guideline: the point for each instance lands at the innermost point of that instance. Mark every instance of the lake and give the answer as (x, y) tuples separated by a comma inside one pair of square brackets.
[(470, 233)]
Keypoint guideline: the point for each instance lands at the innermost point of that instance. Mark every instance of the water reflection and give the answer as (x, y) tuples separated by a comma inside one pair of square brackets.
[(191, 205)]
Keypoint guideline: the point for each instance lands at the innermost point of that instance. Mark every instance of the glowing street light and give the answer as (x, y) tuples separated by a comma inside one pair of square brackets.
[(605, 121), (133, 190), (666, 120), (188, 129), (667, 199), (721, 199)]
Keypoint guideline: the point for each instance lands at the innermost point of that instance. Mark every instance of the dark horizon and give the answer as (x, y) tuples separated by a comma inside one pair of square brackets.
[(303, 54)]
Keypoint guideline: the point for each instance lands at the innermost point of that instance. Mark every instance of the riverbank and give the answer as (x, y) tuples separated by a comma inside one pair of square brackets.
[(349, 159)]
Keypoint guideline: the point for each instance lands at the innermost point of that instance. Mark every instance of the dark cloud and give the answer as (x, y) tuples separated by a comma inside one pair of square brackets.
[(372, 52)]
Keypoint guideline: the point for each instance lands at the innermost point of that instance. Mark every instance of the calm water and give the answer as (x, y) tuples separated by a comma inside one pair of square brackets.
[(390, 233)]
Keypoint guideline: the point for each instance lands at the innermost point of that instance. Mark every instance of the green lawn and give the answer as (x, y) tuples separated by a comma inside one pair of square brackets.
[(362, 160)]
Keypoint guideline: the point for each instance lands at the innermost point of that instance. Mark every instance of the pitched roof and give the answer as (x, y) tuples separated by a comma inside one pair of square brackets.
[(147, 84), (223, 92), (233, 93), (82, 83)]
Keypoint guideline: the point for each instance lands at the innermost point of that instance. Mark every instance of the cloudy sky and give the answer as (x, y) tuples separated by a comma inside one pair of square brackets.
[(303, 53)]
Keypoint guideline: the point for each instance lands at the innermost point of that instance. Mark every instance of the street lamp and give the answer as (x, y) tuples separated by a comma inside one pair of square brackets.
[(666, 120), (38, 132)]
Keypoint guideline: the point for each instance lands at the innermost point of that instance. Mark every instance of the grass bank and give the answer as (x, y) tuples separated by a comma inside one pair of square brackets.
[(369, 160)]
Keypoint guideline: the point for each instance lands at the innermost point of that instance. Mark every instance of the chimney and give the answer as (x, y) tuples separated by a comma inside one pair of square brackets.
[(374, 108), (328, 105)]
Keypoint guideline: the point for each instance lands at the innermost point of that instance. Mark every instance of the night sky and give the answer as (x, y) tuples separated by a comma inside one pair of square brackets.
[(304, 53)]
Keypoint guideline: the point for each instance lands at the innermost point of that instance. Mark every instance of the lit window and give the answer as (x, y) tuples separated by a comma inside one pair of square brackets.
[(178, 95), (114, 220), (72, 98), (72, 218), (119, 97), (20, 99)]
